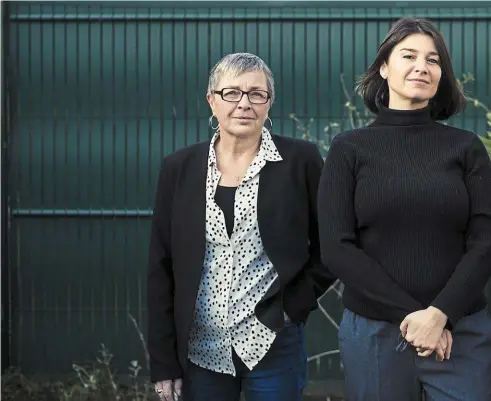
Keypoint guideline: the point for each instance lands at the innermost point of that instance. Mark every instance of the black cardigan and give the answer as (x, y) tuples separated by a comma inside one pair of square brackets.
[(287, 216)]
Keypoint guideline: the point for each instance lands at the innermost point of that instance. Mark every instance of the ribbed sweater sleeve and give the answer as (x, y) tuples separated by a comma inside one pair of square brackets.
[(474, 269)]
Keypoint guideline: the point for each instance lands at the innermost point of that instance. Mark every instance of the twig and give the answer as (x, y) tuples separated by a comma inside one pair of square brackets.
[(352, 110), (319, 356), (326, 314), (140, 334), (333, 288)]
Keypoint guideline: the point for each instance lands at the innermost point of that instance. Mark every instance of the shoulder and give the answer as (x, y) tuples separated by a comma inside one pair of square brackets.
[(184, 155), (296, 147), (353, 136), (459, 134), (466, 140), (351, 139)]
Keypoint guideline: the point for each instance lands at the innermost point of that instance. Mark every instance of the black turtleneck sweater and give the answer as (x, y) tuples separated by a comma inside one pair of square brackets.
[(405, 217)]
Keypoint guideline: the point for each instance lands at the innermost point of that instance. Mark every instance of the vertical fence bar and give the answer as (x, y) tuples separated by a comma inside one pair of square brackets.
[(66, 176), (105, 269), (5, 179), (198, 81), (54, 132), (488, 62), (318, 114), (151, 99), (13, 262), (282, 77), (43, 320), (173, 84), (90, 166), (183, 87), (78, 113), (139, 107), (41, 116), (208, 67), (31, 173), (305, 66), (150, 119), (128, 114), (113, 164), (161, 103)]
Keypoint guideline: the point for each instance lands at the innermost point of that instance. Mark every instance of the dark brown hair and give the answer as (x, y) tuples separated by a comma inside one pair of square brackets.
[(449, 99)]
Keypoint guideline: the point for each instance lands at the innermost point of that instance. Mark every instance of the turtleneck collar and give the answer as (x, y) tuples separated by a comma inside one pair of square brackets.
[(394, 117)]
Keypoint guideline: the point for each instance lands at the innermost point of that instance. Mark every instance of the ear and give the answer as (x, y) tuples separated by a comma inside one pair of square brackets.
[(211, 102), (383, 70)]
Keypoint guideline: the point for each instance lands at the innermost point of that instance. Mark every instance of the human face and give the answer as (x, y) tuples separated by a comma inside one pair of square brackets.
[(413, 72), (241, 118)]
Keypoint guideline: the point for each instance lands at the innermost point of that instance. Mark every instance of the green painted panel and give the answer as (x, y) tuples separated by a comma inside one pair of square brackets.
[(101, 91)]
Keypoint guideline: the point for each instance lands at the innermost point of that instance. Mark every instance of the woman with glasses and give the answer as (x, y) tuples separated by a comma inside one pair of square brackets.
[(405, 223), (234, 262)]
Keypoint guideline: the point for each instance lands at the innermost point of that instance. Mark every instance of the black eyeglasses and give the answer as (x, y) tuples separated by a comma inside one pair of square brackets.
[(235, 95)]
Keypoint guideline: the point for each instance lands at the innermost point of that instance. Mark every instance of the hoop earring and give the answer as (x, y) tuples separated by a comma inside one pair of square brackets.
[(271, 122), (210, 122)]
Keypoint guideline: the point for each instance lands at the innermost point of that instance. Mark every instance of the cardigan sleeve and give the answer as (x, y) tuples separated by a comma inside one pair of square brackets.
[(162, 345)]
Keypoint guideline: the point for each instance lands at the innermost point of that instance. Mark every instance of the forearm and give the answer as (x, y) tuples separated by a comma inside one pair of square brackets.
[(368, 280)]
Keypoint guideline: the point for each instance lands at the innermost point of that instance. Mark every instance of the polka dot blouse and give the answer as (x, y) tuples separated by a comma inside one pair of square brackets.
[(236, 274)]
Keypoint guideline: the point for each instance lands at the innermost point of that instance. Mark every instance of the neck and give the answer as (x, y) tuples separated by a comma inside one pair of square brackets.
[(389, 116), (238, 146), (408, 104)]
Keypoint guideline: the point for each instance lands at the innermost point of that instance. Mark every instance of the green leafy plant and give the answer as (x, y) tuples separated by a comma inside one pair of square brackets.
[(355, 117), (97, 381), (469, 77)]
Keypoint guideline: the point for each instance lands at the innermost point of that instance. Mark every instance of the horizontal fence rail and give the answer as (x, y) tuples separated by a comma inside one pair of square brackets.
[(80, 213)]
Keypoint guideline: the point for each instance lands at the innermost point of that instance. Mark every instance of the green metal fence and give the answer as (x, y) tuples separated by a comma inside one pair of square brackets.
[(99, 93)]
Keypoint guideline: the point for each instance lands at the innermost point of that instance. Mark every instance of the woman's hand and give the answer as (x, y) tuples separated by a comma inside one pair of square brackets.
[(424, 329), (167, 390), (444, 347)]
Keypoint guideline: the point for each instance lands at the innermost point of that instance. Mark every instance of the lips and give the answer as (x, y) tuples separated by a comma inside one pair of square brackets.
[(419, 80), (243, 118)]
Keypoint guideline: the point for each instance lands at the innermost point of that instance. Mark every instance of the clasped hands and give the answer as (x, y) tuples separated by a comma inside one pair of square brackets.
[(425, 330)]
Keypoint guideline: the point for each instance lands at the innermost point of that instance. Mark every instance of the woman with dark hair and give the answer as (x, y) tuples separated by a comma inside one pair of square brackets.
[(405, 222)]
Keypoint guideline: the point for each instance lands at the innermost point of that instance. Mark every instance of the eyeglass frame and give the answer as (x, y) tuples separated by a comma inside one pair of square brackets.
[(402, 343), (220, 92)]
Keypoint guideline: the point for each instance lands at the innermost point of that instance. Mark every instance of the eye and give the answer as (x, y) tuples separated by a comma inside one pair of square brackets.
[(231, 92), (258, 95), (433, 61), (408, 56)]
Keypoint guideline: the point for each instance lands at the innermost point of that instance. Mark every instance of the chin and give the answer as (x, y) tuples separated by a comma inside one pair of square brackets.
[(419, 98), (243, 130)]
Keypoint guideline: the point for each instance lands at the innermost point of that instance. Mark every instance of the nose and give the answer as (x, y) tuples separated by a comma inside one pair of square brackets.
[(421, 66), (244, 103)]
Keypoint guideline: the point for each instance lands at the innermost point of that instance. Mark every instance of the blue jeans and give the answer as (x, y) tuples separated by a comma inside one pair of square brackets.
[(378, 368), (279, 376)]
